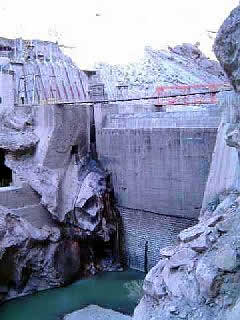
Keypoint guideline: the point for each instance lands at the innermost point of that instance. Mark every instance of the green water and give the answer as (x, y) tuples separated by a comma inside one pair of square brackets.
[(108, 290)]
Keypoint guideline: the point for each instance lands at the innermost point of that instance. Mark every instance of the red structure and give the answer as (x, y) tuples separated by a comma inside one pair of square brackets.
[(194, 94)]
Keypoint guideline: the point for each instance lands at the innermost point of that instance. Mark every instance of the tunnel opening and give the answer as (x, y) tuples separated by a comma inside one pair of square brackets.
[(5, 172)]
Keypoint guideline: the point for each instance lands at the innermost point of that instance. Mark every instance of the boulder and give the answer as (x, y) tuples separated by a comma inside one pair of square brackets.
[(206, 275), (227, 47), (226, 258), (191, 233), (201, 244), (93, 312), (167, 251), (182, 257), (34, 258)]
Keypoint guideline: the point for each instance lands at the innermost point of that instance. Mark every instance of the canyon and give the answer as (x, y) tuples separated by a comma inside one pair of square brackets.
[(97, 175)]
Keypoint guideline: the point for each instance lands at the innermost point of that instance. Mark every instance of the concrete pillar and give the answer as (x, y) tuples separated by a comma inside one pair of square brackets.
[(6, 84)]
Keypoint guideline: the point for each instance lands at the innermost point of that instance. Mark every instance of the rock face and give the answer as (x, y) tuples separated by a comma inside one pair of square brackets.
[(227, 47), (34, 258), (47, 149), (183, 64), (199, 278)]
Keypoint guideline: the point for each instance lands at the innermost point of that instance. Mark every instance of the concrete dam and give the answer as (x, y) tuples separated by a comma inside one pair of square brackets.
[(110, 183), (159, 164)]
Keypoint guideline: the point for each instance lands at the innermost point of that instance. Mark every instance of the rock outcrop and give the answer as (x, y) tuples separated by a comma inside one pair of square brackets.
[(199, 278), (33, 258), (227, 47), (47, 149)]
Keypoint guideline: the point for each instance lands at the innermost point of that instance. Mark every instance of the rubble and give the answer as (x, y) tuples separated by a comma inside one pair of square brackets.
[(183, 64), (192, 279), (16, 132)]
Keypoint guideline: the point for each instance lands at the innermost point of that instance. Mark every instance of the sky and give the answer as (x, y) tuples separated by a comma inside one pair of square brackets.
[(114, 31)]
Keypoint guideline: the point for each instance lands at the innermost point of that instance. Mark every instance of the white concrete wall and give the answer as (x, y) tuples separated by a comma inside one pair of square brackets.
[(224, 173), (156, 164), (6, 90)]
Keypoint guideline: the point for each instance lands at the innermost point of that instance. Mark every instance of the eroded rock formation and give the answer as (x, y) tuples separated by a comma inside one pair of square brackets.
[(64, 226), (227, 47), (33, 258), (199, 278)]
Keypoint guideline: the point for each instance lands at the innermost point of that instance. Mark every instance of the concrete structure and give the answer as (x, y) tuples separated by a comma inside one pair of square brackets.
[(6, 83), (158, 161), (52, 169), (42, 73), (224, 176), (145, 233), (25, 203), (159, 164)]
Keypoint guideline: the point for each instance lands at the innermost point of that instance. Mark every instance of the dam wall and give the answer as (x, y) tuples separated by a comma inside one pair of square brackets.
[(159, 164), (225, 168)]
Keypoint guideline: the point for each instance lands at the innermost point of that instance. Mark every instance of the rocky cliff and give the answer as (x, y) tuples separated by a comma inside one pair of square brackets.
[(199, 278)]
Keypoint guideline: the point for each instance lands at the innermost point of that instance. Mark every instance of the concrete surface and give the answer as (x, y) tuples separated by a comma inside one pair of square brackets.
[(159, 164), (224, 175), (162, 170), (18, 197), (41, 73)]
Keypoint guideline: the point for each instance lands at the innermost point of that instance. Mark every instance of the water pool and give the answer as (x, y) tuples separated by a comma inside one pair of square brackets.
[(108, 290)]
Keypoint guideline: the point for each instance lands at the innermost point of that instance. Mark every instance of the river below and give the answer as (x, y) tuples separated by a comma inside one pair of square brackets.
[(112, 290)]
